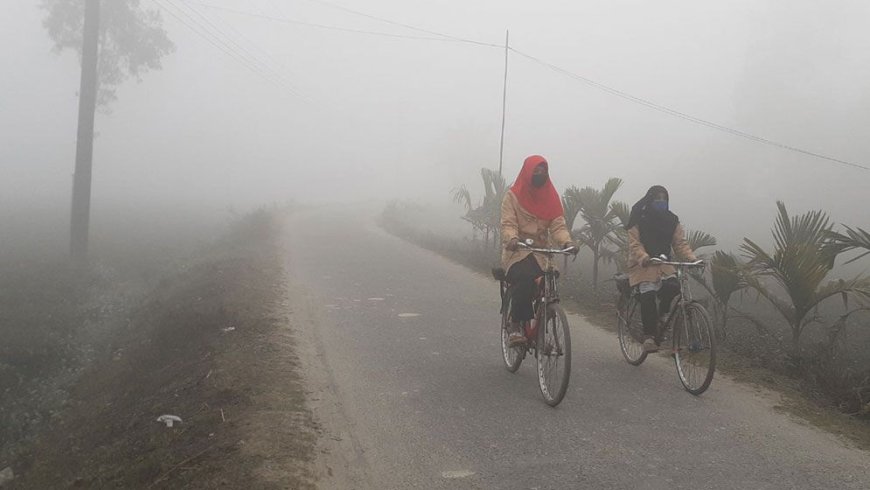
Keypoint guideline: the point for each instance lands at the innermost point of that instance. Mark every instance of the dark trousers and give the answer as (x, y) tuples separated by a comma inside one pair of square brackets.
[(650, 312), (521, 277)]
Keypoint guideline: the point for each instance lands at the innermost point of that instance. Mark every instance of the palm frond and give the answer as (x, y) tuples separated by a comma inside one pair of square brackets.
[(571, 205), (700, 239), (785, 308), (727, 275), (858, 287), (801, 260), (462, 196), (852, 239), (622, 211)]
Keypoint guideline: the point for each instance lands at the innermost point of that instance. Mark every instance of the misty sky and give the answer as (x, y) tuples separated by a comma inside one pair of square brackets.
[(384, 117)]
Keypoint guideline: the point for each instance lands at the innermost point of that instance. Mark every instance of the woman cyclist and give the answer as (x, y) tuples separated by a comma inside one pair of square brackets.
[(531, 209), (653, 231)]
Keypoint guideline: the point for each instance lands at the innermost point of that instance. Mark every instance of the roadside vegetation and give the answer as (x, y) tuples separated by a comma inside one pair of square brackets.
[(91, 359)]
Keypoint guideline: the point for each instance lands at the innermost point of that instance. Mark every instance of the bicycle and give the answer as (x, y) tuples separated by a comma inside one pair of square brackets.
[(551, 344), (693, 343)]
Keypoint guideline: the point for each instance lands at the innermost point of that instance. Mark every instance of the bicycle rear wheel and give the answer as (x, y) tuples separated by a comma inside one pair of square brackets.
[(554, 355), (630, 331), (512, 356), (694, 348)]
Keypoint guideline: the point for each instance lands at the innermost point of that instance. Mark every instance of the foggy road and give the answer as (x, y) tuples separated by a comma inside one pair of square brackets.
[(404, 362)]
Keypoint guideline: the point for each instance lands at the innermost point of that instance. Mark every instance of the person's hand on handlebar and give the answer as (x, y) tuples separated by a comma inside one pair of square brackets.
[(574, 249), (650, 261), (512, 245)]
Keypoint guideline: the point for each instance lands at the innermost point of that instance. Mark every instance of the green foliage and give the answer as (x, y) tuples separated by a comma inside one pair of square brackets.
[(601, 222), (486, 217), (699, 239), (727, 275), (852, 239), (571, 205), (622, 211), (799, 264), (132, 39)]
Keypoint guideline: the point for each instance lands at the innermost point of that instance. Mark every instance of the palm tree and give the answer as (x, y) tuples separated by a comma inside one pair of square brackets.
[(619, 238), (727, 278), (462, 196), (853, 239), (487, 216), (494, 187), (700, 239), (601, 221), (799, 264), (571, 205)]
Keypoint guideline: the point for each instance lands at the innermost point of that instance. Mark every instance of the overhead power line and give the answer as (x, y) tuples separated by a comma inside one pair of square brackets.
[(227, 40), (687, 117), (406, 26), (188, 21), (285, 20), (598, 85), (265, 64)]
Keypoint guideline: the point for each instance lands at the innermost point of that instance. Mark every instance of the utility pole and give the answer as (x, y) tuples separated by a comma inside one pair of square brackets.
[(81, 193), (503, 104)]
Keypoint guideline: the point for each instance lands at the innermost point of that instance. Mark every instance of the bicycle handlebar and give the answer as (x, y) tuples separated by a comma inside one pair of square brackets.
[(563, 251), (658, 261)]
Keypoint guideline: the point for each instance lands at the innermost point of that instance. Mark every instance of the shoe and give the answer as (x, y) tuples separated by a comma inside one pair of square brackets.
[(516, 339), (650, 345)]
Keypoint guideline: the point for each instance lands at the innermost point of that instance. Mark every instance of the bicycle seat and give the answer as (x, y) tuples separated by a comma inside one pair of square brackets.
[(499, 274)]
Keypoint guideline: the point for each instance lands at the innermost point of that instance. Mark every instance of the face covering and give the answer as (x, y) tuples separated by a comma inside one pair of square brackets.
[(660, 205), (539, 180)]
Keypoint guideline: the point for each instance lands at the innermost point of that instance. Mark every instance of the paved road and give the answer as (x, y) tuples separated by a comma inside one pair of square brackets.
[(406, 377)]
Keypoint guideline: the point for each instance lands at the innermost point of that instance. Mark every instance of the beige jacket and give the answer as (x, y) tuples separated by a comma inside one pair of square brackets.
[(516, 222), (637, 255)]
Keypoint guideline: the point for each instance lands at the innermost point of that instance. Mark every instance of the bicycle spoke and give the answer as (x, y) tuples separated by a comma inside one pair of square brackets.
[(554, 357), (695, 350), (630, 332)]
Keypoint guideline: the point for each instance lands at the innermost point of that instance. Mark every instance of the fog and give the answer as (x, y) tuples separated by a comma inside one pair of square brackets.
[(372, 118)]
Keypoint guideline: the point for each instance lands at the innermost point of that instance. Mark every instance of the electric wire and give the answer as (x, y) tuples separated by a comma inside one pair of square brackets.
[(233, 45), (682, 115), (595, 84), (268, 65), (202, 33)]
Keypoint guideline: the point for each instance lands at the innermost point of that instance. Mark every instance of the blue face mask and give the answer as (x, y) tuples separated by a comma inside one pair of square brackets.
[(660, 205)]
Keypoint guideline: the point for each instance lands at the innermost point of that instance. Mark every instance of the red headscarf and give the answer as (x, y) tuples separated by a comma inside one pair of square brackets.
[(543, 202)]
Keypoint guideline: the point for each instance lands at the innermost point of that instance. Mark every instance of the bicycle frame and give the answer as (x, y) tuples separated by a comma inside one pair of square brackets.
[(685, 296), (549, 290), (547, 335)]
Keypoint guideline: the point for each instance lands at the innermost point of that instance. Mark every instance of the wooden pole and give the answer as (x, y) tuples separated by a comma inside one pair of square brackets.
[(81, 193)]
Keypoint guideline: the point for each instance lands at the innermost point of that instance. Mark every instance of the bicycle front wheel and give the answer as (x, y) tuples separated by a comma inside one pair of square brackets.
[(694, 348), (554, 355), (513, 356), (630, 331)]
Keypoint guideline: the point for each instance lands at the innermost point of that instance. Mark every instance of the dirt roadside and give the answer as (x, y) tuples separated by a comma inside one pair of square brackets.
[(214, 345)]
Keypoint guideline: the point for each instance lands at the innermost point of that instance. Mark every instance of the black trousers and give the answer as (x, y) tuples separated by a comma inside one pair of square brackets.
[(650, 312), (521, 277)]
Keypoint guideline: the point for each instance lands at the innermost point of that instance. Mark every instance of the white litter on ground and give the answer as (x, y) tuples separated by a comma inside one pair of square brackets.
[(169, 420), (457, 474), (408, 315)]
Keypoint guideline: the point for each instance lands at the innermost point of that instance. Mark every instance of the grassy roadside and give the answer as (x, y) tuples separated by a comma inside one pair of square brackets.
[(208, 344), (798, 399)]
